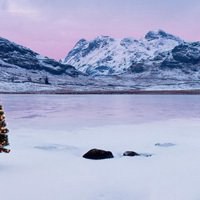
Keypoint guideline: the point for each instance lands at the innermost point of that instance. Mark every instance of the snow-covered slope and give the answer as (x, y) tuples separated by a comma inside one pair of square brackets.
[(20, 64), (105, 55)]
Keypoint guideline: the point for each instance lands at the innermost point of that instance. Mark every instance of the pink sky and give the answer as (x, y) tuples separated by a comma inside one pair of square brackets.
[(52, 28)]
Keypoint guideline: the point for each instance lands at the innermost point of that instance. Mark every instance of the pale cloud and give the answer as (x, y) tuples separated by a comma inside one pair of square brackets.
[(19, 7)]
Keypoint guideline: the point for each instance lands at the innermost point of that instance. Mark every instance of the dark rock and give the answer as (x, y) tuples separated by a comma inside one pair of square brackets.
[(99, 70), (137, 68), (130, 153), (185, 57), (187, 53), (171, 64), (153, 35), (98, 154)]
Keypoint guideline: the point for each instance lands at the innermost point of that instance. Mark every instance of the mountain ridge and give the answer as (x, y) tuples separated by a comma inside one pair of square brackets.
[(21, 64), (109, 56), (158, 61)]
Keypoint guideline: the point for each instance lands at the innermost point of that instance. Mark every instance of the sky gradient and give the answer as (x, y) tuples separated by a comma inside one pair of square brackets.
[(52, 27)]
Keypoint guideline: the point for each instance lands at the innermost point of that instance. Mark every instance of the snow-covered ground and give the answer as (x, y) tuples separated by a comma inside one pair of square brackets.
[(113, 83), (49, 135)]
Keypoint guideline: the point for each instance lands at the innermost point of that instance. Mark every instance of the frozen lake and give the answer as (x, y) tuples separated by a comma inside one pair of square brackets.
[(76, 111), (50, 133)]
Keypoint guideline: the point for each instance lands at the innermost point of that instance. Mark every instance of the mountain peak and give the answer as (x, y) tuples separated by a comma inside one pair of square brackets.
[(107, 55), (157, 34), (103, 37), (80, 43)]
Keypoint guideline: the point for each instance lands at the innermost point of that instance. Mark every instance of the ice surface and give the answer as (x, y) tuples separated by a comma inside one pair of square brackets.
[(168, 144), (47, 147)]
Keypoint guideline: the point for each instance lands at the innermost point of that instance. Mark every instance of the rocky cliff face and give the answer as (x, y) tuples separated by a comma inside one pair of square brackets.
[(185, 56)]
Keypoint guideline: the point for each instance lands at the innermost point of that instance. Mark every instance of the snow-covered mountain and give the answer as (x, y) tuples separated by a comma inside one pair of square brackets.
[(20, 64), (105, 55), (159, 61), (156, 52)]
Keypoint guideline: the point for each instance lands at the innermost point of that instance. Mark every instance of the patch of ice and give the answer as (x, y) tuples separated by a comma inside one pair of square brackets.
[(165, 144)]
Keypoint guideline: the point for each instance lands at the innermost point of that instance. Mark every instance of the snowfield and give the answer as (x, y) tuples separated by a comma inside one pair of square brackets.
[(113, 83), (49, 135)]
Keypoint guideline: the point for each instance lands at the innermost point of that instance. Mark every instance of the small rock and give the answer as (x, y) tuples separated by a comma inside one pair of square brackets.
[(130, 153), (98, 154)]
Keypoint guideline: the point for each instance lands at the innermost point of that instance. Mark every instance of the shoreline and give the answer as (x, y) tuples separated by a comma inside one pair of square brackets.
[(112, 92)]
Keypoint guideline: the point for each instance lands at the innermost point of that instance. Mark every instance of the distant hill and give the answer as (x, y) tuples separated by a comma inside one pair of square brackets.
[(20, 64)]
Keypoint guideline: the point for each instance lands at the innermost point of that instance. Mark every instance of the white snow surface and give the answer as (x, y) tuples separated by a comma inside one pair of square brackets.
[(46, 160)]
